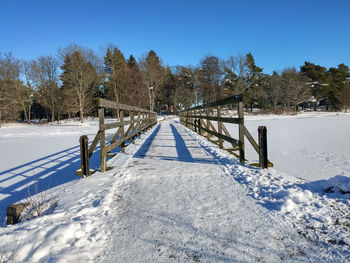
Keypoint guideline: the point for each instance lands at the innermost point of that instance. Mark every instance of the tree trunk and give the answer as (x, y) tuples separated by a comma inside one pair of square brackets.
[(29, 111), (81, 115)]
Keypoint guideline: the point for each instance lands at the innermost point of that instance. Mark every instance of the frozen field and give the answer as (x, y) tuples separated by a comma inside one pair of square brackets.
[(312, 146)]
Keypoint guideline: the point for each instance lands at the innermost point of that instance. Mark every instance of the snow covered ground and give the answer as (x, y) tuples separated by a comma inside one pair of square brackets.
[(312, 145), (165, 202)]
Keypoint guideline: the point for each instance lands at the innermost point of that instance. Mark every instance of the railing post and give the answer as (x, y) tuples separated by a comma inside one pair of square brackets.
[(101, 117), (84, 155), (218, 113), (207, 122), (122, 131), (132, 117), (187, 119), (200, 122), (241, 132), (263, 161), (195, 121)]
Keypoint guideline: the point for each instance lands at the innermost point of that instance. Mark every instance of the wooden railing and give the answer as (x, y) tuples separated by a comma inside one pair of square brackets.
[(140, 120), (200, 119)]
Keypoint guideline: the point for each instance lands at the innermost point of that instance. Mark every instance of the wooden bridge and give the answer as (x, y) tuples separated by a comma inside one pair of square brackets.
[(206, 119)]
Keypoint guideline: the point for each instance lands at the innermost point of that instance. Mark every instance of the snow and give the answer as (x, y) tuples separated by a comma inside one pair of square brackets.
[(311, 145), (172, 197)]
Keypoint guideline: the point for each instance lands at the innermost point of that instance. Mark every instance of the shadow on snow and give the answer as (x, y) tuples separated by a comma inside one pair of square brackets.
[(40, 175), (183, 154)]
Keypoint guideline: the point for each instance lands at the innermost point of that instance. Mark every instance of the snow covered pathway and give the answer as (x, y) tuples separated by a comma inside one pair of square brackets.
[(174, 202)]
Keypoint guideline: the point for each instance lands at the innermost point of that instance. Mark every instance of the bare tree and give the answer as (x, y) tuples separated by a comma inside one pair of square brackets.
[(274, 90), (210, 76), (46, 75), (296, 87), (235, 69), (26, 94), (9, 81)]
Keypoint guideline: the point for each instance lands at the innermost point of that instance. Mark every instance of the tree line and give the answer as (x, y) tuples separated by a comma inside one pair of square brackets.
[(65, 85)]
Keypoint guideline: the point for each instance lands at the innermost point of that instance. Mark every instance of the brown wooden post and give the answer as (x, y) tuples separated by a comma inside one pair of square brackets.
[(263, 161), (219, 127), (84, 155), (122, 133), (187, 119), (133, 126), (207, 122), (200, 122), (195, 121), (241, 132), (139, 124), (101, 117)]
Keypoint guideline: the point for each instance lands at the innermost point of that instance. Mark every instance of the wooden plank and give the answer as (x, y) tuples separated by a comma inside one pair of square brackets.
[(220, 102), (116, 135), (251, 139), (218, 111), (133, 126), (221, 119), (94, 144), (103, 103), (224, 137), (207, 124), (118, 143), (241, 132), (212, 126), (84, 155), (263, 161), (122, 133), (101, 114), (113, 125)]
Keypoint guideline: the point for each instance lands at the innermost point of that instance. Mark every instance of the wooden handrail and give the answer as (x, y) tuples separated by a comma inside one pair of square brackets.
[(145, 120), (190, 118)]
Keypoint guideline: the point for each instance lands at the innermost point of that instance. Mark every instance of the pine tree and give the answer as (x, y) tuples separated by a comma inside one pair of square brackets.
[(154, 77), (80, 83), (136, 88), (115, 67), (339, 85), (319, 82)]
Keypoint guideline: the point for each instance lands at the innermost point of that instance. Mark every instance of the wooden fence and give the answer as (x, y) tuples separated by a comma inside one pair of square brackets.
[(200, 119), (140, 120)]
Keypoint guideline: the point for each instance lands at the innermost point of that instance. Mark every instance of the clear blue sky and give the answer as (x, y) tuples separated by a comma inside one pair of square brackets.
[(279, 33)]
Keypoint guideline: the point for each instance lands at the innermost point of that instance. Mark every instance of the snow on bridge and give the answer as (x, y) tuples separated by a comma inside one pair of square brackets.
[(176, 202)]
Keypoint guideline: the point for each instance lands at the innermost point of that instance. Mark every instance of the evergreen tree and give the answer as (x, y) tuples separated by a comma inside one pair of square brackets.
[(254, 83), (154, 77), (131, 61), (319, 82), (115, 67), (137, 90), (79, 82), (339, 85)]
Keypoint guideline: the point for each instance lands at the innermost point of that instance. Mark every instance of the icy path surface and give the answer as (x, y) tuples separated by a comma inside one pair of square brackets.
[(174, 202)]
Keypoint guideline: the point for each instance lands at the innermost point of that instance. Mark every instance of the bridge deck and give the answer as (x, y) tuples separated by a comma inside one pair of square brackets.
[(176, 203)]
